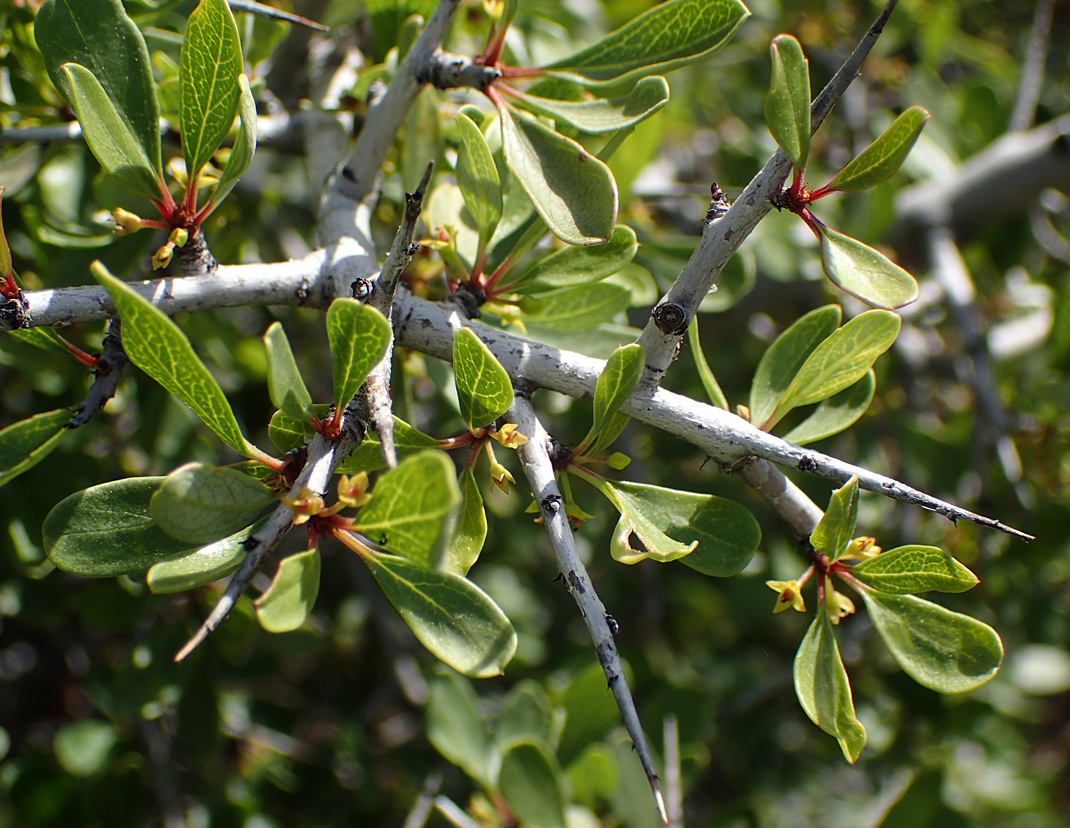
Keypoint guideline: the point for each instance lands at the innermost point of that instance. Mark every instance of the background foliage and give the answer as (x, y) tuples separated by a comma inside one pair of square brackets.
[(328, 725)]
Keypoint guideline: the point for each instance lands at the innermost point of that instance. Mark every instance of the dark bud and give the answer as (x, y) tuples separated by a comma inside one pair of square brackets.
[(362, 289), (719, 204), (670, 318)]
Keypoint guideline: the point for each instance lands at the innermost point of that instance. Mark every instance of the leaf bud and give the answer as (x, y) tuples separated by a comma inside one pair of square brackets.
[(618, 460)]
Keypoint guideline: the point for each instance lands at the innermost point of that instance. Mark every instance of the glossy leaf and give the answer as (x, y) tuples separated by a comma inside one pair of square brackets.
[(580, 265), (572, 191), (836, 528), (211, 63), (705, 373), (109, 137), (477, 176), (880, 160), (200, 504), (451, 616), (108, 530), (358, 336), (285, 384), (909, 569), (582, 307), (787, 106), (241, 154), (615, 384), (26, 443), (668, 36), (823, 689), (157, 346), (99, 36), (483, 387), (603, 114), (198, 567), (470, 531), (835, 414), (531, 783), (286, 604), (783, 359), (866, 274), (410, 506), (456, 728), (939, 649), (842, 359)]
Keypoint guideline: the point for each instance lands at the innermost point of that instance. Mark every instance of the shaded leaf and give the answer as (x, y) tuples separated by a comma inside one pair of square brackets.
[(835, 414), (787, 106), (241, 154), (200, 504), (470, 531), (286, 604), (579, 265), (26, 443), (451, 616), (939, 649), (909, 569), (483, 387), (477, 176), (157, 346), (358, 336), (589, 711), (197, 567), (879, 161), (837, 526), (603, 114), (108, 530), (615, 384), (668, 36), (44, 338), (530, 782), (705, 373), (368, 456), (285, 385), (866, 274), (580, 308), (572, 191), (526, 716), (456, 728), (287, 433)]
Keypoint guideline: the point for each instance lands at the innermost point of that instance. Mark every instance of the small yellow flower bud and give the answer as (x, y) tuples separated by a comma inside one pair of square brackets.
[(162, 257), (499, 474), (862, 548), (509, 437), (179, 236), (125, 221), (305, 504), (618, 460), (837, 604)]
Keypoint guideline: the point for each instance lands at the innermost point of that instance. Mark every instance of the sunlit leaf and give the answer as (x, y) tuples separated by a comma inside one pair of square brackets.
[(197, 567), (879, 161), (26, 443), (835, 414), (285, 384), (603, 114), (705, 373), (531, 783), (865, 273), (483, 386), (787, 106), (581, 308), (358, 336), (241, 154), (836, 528), (579, 265), (286, 604), (200, 504), (477, 176), (470, 531), (909, 569), (616, 382)]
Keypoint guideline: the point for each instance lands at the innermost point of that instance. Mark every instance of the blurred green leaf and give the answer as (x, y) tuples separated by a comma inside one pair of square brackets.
[(787, 106), (83, 747), (25, 444), (285, 384), (200, 504), (456, 728), (526, 716), (880, 160), (589, 711), (602, 114), (358, 336), (836, 413), (284, 606), (836, 527), (913, 568), (531, 784), (864, 273), (483, 386), (470, 531)]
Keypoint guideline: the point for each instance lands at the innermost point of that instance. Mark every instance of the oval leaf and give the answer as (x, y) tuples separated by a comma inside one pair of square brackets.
[(668, 36), (573, 192), (189, 570), (410, 506), (579, 265), (25, 444), (241, 154), (787, 106), (210, 65), (823, 689), (909, 569), (836, 413), (456, 728), (477, 176), (358, 336), (157, 346), (581, 308), (939, 649), (879, 161), (616, 382), (285, 385), (531, 784), (603, 114), (200, 504), (483, 387), (452, 617), (835, 529), (108, 530), (470, 531), (865, 273), (286, 604)]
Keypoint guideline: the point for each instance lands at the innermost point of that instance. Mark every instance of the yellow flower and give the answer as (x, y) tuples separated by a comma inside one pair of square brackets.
[(862, 548), (509, 437), (305, 504), (352, 491), (837, 604), (790, 595)]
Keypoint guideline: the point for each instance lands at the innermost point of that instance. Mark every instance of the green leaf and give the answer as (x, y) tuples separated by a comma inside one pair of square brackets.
[(668, 36), (531, 784), (603, 114), (836, 413), (477, 176), (526, 716), (571, 190), (109, 137), (865, 273), (787, 106), (823, 689), (483, 387), (616, 382), (609, 433), (284, 606), (195, 568), (99, 36), (589, 711), (841, 360), (939, 649), (287, 433), (211, 63), (82, 748), (470, 531), (452, 617), (285, 385), (108, 530), (908, 569), (783, 359), (199, 504), (580, 265), (44, 338), (368, 456), (456, 728), (879, 161), (705, 373), (241, 154), (157, 346), (5, 249), (358, 336), (410, 506), (581, 308), (25, 444), (837, 526)]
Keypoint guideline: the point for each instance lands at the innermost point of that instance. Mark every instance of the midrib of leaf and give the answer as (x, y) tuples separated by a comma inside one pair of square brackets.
[(205, 103)]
